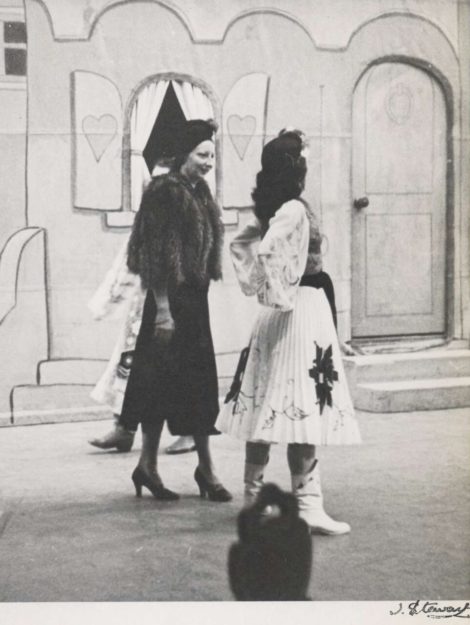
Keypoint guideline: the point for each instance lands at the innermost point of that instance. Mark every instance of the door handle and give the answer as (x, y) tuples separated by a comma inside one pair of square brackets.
[(361, 202)]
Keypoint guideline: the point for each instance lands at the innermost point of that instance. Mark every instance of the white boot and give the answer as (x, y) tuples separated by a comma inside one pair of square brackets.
[(254, 474), (118, 438), (307, 489)]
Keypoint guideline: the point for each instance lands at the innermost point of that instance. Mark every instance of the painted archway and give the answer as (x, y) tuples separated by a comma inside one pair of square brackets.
[(400, 179)]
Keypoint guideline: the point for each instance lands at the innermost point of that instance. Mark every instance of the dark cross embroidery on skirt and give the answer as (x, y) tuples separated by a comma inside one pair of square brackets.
[(324, 374), (235, 389)]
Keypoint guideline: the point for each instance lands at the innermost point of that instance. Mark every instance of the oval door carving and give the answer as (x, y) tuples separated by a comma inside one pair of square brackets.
[(399, 103)]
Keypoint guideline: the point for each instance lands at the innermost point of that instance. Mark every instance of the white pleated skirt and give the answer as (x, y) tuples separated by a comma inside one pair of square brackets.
[(293, 389)]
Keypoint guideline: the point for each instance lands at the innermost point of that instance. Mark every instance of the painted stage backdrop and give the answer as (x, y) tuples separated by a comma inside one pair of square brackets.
[(86, 84)]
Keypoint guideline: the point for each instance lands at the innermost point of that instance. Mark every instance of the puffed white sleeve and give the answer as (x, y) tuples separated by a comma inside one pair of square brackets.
[(115, 290), (243, 250), (282, 256)]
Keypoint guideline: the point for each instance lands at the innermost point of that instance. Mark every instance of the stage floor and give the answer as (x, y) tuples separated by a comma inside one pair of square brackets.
[(71, 528)]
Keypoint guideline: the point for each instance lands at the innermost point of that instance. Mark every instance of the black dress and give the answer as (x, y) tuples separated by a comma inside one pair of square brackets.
[(177, 382), (322, 280)]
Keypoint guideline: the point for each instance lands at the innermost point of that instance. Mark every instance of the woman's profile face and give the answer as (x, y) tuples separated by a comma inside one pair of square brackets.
[(200, 161)]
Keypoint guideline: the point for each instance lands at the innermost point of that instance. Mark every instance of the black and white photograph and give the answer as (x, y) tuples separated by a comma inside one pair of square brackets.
[(234, 311)]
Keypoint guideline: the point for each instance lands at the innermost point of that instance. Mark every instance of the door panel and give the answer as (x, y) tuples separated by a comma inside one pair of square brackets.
[(399, 164), (385, 294)]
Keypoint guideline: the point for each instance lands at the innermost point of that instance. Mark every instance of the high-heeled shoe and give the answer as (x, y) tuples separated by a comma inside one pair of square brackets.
[(214, 492), (158, 490)]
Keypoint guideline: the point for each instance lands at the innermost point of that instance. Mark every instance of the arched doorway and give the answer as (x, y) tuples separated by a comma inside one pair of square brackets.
[(399, 227)]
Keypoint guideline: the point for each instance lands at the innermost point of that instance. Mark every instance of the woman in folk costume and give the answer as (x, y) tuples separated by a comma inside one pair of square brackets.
[(175, 249), (121, 294), (293, 388)]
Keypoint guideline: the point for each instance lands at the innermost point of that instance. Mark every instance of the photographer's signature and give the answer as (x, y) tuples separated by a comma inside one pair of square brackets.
[(433, 609)]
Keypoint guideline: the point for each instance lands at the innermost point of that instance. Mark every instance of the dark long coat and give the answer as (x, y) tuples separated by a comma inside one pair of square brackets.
[(176, 245)]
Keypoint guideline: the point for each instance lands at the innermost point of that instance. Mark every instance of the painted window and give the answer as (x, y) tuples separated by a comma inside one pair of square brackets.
[(13, 42)]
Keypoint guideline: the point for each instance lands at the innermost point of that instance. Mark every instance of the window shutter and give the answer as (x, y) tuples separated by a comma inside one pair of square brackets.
[(244, 125), (97, 145)]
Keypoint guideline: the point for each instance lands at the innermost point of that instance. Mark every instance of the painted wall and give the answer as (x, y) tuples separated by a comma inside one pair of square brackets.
[(13, 124), (13, 160), (330, 23), (313, 54)]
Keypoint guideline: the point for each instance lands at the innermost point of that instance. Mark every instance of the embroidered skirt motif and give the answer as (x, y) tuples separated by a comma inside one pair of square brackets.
[(294, 388)]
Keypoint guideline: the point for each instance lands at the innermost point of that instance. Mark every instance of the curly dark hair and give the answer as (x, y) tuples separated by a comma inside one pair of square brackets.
[(282, 177)]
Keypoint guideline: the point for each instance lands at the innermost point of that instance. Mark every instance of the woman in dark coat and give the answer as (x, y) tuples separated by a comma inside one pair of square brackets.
[(175, 248)]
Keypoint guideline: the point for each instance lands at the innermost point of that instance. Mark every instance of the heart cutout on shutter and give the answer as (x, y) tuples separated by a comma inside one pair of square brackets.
[(241, 131), (99, 132)]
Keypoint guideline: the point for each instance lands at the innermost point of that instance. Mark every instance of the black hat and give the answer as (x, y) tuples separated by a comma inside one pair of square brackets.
[(282, 152), (194, 132)]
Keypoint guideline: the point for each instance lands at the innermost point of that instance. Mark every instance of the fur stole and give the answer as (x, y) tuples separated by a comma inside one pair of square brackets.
[(177, 235)]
